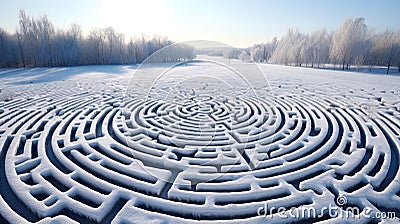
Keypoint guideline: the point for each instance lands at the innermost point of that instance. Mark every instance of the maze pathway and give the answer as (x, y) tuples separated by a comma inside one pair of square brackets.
[(85, 153)]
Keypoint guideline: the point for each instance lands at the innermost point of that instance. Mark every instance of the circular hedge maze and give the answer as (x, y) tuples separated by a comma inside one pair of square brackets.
[(193, 149)]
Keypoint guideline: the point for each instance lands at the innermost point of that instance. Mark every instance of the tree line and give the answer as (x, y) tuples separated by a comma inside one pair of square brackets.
[(352, 44), (37, 43)]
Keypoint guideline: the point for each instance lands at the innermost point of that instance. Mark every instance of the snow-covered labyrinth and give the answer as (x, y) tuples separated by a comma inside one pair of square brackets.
[(199, 141)]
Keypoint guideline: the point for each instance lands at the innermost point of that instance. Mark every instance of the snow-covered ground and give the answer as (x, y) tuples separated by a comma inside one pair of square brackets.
[(199, 141)]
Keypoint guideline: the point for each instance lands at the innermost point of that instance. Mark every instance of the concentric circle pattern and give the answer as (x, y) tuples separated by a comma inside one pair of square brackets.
[(194, 150)]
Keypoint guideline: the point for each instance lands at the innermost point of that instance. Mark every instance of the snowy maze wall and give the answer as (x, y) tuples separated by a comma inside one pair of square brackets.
[(73, 153)]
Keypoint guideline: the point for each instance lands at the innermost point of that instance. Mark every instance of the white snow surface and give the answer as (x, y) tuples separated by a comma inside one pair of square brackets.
[(198, 142)]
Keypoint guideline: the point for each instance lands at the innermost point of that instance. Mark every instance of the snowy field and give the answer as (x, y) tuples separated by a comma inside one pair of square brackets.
[(198, 141)]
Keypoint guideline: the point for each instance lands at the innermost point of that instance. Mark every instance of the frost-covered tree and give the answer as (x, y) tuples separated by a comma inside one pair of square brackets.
[(36, 39), (228, 53), (386, 46), (350, 42), (290, 49), (397, 56), (256, 54), (8, 49), (231, 53), (263, 52), (26, 40), (306, 51), (320, 42), (244, 56), (37, 43)]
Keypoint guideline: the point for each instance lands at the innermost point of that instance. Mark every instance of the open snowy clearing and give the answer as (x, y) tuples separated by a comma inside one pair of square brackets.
[(88, 144)]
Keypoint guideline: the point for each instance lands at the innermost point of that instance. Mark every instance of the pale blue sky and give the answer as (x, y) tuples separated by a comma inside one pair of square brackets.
[(236, 22)]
